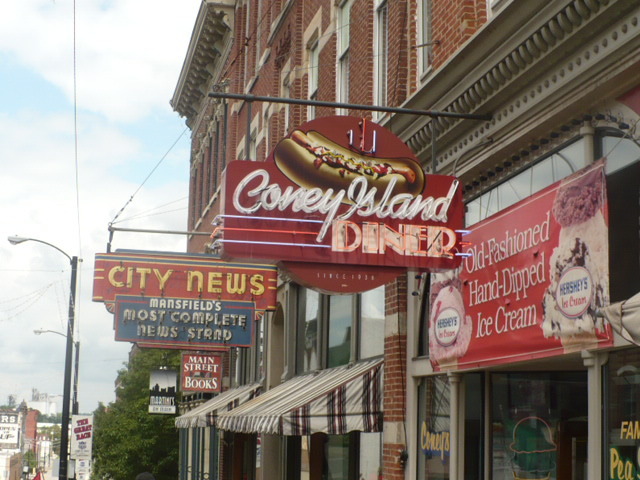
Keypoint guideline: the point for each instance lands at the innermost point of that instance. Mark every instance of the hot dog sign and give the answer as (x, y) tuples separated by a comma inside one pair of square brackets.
[(337, 192)]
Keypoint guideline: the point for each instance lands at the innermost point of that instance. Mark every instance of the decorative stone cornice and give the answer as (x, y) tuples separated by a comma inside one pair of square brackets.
[(205, 56), (530, 68)]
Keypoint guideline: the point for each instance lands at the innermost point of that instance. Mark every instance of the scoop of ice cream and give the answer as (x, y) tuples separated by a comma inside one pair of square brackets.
[(579, 198)]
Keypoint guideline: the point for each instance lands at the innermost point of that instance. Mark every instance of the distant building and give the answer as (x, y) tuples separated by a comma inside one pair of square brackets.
[(45, 403)]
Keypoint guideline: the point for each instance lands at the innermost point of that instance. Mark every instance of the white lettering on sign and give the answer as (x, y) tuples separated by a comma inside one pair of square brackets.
[(415, 240), (361, 197)]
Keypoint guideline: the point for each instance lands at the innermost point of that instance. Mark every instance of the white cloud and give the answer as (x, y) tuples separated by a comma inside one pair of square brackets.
[(128, 52), (129, 55)]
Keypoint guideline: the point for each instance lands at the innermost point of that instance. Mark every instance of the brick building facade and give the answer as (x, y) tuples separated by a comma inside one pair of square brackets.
[(558, 84)]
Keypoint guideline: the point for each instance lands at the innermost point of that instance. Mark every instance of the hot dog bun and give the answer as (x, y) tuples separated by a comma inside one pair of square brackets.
[(312, 160)]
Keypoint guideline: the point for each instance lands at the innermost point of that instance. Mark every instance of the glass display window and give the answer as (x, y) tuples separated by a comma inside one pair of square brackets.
[(434, 422), (539, 425), (622, 417)]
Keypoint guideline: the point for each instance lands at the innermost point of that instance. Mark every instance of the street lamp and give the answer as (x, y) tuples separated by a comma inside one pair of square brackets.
[(74, 402), (66, 395)]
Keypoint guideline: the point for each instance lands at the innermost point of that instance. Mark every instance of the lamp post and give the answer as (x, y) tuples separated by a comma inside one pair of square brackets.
[(66, 395), (76, 344)]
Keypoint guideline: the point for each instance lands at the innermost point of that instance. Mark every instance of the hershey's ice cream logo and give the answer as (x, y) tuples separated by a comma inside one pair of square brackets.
[(359, 195), (447, 326), (574, 292)]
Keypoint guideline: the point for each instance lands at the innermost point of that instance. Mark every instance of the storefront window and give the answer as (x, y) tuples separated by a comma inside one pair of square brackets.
[(434, 428), (623, 415), (539, 425), (337, 457), (370, 456), (340, 457)]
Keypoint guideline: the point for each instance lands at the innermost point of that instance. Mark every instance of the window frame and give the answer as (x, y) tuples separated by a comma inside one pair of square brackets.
[(343, 45), (313, 67), (425, 35), (323, 326), (381, 53)]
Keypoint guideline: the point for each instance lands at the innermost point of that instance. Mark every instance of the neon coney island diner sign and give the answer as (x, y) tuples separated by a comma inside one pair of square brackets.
[(341, 191)]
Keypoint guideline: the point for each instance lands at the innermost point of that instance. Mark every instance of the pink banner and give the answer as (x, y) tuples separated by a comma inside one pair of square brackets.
[(536, 273)]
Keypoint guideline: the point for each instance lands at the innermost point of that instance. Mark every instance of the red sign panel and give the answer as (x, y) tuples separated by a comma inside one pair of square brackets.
[(201, 372), (182, 276), (341, 191), (535, 275)]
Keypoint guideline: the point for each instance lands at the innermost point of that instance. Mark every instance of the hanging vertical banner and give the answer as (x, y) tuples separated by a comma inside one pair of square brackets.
[(82, 436), (162, 391), (536, 274)]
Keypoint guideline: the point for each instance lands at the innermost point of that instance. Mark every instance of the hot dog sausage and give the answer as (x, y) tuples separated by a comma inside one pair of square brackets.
[(312, 160)]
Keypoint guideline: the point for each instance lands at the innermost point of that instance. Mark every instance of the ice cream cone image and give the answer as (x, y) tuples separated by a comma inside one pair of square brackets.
[(578, 267), (533, 449)]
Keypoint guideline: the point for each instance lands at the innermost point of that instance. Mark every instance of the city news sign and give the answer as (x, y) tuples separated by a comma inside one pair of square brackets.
[(185, 301), (342, 205)]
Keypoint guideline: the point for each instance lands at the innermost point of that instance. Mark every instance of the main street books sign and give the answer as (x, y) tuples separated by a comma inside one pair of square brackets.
[(340, 203), (537, 274), (201, 372), (173, 300)]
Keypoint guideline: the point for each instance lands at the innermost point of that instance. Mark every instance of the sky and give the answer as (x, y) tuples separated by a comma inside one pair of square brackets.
[(71, 159)]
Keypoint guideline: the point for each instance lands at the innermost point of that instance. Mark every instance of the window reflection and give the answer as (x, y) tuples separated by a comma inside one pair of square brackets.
[(434, 423), (619, 152), (309, 306), (340, 315), (372, 323), (334, 330)]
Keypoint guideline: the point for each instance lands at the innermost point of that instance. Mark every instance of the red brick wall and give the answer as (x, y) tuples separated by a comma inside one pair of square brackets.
[(361, 55), (31, 428), (454, 22), (395, 374)]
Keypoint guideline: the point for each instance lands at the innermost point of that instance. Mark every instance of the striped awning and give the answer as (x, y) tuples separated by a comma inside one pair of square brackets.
[(205, 415), (334, 401)]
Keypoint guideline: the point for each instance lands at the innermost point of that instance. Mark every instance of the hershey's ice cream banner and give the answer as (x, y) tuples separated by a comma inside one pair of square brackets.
[(537, 273)]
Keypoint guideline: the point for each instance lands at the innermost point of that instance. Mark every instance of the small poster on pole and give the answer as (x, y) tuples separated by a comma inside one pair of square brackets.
[(162, 391)]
